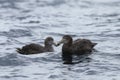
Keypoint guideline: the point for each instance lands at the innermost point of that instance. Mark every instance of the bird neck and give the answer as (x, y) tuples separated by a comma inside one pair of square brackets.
[(68, 44), (48, 48)]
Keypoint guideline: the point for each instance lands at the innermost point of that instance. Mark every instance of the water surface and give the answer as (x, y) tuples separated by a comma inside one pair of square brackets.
[(26, 21)]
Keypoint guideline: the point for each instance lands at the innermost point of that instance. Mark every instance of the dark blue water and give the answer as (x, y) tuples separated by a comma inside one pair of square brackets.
[(31, 21)]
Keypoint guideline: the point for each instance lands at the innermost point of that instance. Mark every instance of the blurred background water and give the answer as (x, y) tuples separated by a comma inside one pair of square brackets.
[(31, 21)]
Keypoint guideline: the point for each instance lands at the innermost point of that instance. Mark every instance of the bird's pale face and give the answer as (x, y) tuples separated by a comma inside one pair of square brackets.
[(65, 40), (62, 41), (50, 41)]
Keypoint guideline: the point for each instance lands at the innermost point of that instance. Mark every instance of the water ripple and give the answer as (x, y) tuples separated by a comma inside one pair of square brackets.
[(31, 21), (16, 33)]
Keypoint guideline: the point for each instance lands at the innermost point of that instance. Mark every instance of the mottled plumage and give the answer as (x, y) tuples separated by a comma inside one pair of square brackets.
[(77, 47), (36, 48)]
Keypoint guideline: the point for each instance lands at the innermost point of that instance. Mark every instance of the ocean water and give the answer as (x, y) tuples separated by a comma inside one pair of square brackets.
[(31, 21)]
